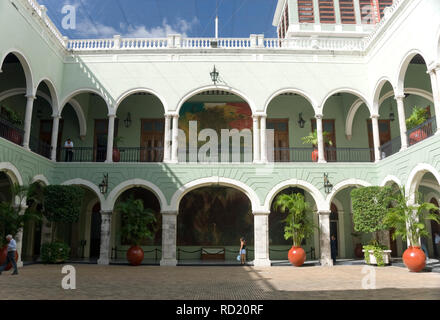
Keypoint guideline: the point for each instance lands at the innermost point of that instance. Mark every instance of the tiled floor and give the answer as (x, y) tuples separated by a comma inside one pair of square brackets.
[(206, 282)]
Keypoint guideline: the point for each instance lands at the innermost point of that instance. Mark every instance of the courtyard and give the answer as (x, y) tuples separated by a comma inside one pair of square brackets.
[(117, 282)]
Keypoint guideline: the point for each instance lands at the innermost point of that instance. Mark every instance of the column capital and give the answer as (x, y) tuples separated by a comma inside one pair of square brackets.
[(31, 96), (259, 114), (399, 96), (324, 212), (171, 114), (56, 116), (112, 115), (169, 212), (375, 116), (319, 116), (106, 212), (261, 212)]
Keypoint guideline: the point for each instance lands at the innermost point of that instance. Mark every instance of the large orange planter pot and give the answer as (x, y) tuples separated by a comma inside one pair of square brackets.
[(116, 155), (414, 259), (417, 136), (297, 256), (315, 155), (3, 255), (135, 255)]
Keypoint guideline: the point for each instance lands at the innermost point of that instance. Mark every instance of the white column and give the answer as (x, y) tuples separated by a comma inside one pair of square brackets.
[(110, 137), (337, 8), (54, 140), (19, 239), (324, 239), (256, 142), (435, 78), (376, 137), (167, 138), (261, 239), (175, 143), (321, 157), (263, 150), (105, 250), (28, 120), (402, 121), (357, 12), (169, 239)]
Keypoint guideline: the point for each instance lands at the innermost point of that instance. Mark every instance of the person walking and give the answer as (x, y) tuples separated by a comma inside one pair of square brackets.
[(243, 251), (68, 145), (334, 248), (437, 244), (10, 258)]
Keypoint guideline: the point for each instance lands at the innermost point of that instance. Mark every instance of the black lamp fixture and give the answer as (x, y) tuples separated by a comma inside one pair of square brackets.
[(103, 186), (392, 116), (127, 120), (301, 121), (327, 185), (214, 75)]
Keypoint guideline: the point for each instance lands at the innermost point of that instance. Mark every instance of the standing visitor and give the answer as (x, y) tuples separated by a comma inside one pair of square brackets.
[(10, 258), (243, 250), (68, 145), (437, 244)]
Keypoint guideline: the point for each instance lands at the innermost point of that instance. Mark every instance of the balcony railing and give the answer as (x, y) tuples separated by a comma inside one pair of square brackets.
[(391, 147), (11, 132), (421, 132), (82, 154), (41, 147), (349, 154), (138, 154), (293, 155)]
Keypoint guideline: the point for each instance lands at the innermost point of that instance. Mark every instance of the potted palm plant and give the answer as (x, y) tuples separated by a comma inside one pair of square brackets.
[(116, 152), (418, 117), (312, 139), (298, 226), (407, 219), (137, 225)]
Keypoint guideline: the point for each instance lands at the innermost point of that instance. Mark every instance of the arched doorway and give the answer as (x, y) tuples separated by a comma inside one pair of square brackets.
[(201, 121), (210, 223), (278, 245), (152, 247)]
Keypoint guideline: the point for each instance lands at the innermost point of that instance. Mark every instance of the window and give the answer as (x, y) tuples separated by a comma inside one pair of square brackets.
[(347, 11), (367, 15), (305, 11), (383, 4), (326, 11)]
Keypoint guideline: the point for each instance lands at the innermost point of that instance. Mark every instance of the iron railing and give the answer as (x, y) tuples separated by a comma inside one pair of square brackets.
[(293, 155), (82, 154), (349, 154), (140, 154), (41, 147), (421, 132), (11, 132), (391, 147)]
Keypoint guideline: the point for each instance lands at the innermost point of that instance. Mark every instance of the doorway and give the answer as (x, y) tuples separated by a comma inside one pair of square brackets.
[(152, 140), (281, 139), (95, 232)]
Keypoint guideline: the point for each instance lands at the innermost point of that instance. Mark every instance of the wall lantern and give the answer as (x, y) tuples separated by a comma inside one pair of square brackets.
[(301, 121), (327, 185), (214, 75), (103, 186), (392, 117), (127, 120)]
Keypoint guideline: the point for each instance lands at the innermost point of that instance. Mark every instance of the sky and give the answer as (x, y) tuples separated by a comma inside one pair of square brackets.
[(157, 18)]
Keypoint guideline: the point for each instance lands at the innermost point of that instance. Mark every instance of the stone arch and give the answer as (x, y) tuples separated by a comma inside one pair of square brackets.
[(69, 97), (80, 115), (205, 182), (415, 177), (377, 91), (403, 67), (346, 90), (238, 93), (26, 68), (135, 183), (40, 178), (128, 93), (314, 192), (53, 94), (390, 179), (12, 172), (343, 185), (291, 90), (89, 185)]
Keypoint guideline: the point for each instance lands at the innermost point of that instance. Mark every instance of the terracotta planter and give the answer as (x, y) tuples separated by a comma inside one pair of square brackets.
[(358, 251), (297, 256), (116, 155), (315, 155), (414, 259), (3, 254), (417, 136), (135, 255)]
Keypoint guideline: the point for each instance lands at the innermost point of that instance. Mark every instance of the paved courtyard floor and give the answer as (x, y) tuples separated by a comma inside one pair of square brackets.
[(232, 283)]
